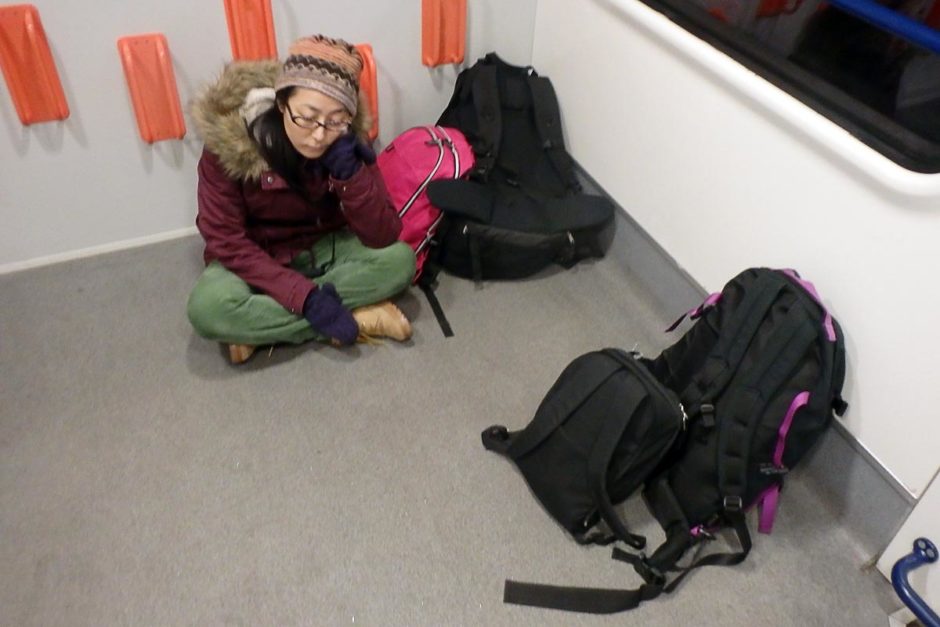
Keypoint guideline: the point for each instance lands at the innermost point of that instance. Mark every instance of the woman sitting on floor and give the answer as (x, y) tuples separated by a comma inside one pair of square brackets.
[(301, 237)]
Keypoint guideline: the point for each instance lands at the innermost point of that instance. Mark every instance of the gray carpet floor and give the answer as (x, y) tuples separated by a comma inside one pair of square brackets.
[(146, 481)]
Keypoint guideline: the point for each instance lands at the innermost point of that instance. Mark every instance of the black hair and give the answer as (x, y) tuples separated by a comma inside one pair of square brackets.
[(268, 133)]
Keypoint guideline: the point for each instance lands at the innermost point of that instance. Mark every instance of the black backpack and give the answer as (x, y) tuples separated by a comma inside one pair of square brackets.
[(759, 375), (604, 425), (522, 208)]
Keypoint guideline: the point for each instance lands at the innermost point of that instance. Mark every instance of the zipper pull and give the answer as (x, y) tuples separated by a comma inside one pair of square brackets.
[(685, 416), (700, 533)]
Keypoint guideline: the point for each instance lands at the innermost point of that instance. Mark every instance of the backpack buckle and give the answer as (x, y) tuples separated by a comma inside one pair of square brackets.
[(650, 574), (707, 410), (771, 469), (733, 503), (839, 406), (701, 534)]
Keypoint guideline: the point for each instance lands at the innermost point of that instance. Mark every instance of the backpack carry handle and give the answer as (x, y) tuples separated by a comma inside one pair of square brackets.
[(496, 439)]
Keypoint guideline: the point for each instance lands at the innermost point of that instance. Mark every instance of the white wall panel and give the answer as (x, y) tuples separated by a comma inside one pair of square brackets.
[(90, 184)]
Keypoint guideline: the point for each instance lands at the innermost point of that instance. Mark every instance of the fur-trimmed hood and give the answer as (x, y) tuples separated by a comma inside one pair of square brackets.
[(215, 112)]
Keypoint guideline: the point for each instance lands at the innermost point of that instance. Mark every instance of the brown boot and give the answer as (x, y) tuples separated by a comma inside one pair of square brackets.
[(382, 320), (239, 353)]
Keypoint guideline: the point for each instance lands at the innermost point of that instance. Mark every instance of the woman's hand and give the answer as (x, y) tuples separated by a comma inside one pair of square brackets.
[(325, 312), (345, 156)]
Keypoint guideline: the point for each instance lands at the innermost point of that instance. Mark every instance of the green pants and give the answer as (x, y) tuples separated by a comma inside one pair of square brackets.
[(224, 308)]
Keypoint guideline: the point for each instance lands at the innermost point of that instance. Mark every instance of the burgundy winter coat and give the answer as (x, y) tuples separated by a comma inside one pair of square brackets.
[(255, 228)]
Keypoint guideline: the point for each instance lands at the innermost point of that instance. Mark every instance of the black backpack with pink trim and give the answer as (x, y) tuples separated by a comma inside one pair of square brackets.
[(759, 375)]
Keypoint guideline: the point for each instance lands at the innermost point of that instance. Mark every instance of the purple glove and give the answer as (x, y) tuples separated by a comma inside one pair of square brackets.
[(324, 310), (345, 156)]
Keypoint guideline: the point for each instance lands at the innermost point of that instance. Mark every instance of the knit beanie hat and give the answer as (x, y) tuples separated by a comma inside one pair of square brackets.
[(330, 66)]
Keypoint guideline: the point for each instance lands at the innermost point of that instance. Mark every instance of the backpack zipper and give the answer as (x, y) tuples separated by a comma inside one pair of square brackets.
[(453, 150), (433, 228), (434, 141)]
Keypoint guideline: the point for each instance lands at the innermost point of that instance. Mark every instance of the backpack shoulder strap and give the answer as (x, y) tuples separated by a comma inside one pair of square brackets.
[(610, 601), (679, 538), (485, 92), (654, 577), (461, 93), (602, 452), (736, 335), (743, 406), (548, 124)]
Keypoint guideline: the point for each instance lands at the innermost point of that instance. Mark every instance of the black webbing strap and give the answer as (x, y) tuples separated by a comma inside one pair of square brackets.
[(548, 124), (736, 336), (587, 600), (476, 263), (739, 525), (602, 452), (435, 304), (665, 506), (428, 278), (489, 118), (654, 575)]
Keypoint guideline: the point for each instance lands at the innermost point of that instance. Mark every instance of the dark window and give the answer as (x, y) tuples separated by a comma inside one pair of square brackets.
[(872, 67)]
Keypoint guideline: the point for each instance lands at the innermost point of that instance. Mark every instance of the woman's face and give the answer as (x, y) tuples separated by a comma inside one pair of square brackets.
[(313, 121)]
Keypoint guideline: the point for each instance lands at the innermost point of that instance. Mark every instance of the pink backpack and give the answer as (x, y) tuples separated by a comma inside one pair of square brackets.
[(415, 158)]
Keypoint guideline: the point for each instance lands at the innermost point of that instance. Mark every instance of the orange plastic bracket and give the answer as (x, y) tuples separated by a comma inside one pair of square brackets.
[(152, 84), (28, 68), (773, 8), (369, 86), (443, 31), (250, 29)]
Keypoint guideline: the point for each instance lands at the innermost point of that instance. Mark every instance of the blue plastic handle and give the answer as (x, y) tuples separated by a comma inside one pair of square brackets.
[(925, 552), (893, 22)]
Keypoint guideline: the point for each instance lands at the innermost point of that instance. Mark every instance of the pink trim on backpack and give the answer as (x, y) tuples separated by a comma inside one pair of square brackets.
[(811, 290), (697, 312), (800, 400), (768, 498), (767, 506)]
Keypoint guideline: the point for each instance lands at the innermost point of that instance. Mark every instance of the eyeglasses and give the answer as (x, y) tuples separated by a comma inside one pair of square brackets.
[(311, 124)]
